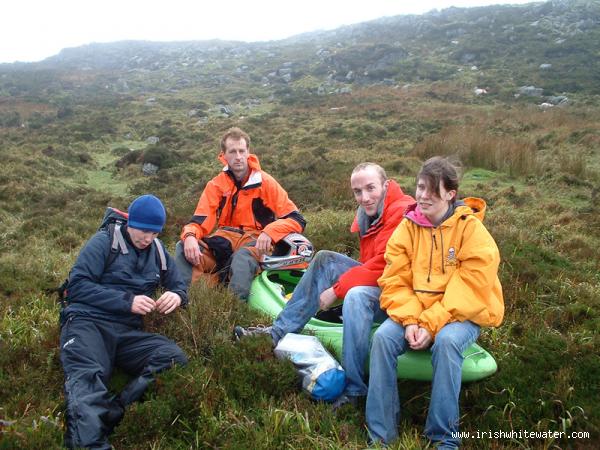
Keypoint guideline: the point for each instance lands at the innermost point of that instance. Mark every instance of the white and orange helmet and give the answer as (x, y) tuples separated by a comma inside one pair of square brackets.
[(294, 251)]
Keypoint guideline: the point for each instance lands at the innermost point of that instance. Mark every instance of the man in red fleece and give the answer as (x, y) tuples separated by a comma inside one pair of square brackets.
[(331, 276)]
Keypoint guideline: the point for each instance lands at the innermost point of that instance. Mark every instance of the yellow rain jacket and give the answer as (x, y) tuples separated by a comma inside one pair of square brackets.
[(437, 275)]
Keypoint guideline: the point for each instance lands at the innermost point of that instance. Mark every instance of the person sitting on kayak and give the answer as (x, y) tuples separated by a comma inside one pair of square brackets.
[(251, 212), (439, 286), (331, 276)]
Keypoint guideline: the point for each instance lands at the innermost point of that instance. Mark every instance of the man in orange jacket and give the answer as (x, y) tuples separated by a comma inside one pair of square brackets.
[(241, 214)]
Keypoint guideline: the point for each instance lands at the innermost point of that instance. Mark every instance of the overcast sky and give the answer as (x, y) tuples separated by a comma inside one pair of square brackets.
[(31, 30)]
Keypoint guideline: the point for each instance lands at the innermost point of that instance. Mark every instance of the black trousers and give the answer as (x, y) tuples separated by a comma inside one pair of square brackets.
[(89, 350)]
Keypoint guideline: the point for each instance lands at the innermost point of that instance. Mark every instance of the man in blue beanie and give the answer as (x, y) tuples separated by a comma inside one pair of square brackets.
[(111, 286)]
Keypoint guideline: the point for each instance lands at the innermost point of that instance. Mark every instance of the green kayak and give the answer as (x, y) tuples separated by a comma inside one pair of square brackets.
[(270, 291)]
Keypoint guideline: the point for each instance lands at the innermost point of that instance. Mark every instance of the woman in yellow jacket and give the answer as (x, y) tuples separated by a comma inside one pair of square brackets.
[(440, 285)]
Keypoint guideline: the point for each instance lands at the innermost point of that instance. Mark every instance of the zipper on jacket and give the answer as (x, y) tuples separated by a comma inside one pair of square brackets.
[(234, 198), (442, 254), (430, 254)]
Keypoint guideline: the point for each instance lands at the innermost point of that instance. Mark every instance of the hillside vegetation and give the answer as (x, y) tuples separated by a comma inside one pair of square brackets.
[(76, 131)]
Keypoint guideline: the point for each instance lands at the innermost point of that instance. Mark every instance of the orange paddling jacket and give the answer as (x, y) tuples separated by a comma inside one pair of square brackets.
[(259, 204)]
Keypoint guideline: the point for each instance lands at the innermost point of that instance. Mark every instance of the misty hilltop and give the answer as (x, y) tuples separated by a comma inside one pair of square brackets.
[(552, 45)]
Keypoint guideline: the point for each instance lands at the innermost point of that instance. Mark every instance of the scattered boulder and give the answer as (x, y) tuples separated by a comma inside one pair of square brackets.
[(152, 140), (149, 169), (557, 99), (545, 66), (530, 91), (226, 110)]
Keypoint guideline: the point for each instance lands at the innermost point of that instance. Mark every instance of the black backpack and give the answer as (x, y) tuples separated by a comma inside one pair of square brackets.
[(114, 220)]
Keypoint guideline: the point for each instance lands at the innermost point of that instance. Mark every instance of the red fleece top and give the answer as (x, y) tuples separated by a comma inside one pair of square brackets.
[(373, 242)]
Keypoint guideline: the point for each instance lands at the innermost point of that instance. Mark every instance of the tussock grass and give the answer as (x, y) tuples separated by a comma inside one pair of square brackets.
[(476, 147)]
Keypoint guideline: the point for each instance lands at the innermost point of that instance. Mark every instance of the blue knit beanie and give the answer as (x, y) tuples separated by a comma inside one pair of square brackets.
[(147, 213)]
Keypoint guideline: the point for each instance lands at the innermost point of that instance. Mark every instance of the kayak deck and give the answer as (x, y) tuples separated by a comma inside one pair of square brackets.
[(268, 294)]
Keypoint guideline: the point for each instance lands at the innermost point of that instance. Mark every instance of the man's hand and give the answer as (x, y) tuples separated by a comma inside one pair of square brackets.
[(142, 305), (327, 298), (168, 302), (423, 340), (263, 243), (191, 250), (410, 334)]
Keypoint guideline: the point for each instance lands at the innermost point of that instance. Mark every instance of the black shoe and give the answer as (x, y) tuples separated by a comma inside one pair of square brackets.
[(241, 332), (344, 399), (114, 415)]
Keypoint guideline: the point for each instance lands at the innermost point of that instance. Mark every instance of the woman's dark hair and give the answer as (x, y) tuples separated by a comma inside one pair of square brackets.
[(438, 169)]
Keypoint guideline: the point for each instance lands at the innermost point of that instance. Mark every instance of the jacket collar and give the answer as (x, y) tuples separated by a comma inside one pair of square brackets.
[(253, 162), (467, 206), (255, 176)]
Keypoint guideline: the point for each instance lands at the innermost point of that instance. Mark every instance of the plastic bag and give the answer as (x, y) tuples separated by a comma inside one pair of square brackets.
[(322, 376)]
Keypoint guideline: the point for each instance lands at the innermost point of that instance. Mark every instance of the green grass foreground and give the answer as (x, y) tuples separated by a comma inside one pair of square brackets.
[(538, 171)]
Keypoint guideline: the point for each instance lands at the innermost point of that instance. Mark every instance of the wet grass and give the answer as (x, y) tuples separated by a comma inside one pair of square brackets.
[(538, 173)]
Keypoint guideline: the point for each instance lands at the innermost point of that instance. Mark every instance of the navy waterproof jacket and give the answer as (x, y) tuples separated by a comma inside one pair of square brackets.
[(107, 293)]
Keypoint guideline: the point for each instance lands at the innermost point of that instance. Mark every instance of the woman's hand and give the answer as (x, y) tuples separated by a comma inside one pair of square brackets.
[(410, 334), (423, 340)]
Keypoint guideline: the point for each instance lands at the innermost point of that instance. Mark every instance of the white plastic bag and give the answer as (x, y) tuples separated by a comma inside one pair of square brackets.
[(322, 376)]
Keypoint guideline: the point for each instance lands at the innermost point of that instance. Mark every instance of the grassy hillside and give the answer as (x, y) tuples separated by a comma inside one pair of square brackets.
[(73, 138)]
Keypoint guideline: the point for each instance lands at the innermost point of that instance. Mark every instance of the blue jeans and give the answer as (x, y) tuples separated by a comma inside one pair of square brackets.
[(383, 403), (360, 310), (322, 273)]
